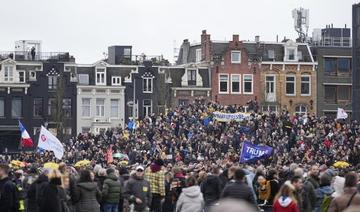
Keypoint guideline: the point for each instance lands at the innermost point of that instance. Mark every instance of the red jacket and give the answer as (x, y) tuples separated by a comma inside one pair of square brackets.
[(290, 207)]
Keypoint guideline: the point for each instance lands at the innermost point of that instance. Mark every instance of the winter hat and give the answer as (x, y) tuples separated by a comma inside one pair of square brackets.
[(110, 171)]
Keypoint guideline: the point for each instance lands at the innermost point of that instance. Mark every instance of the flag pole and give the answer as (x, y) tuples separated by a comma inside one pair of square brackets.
[(241, 151)]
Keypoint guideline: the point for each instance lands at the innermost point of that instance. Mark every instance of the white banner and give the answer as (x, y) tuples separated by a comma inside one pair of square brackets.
[(341, 114), (48, 141), (225, 117)]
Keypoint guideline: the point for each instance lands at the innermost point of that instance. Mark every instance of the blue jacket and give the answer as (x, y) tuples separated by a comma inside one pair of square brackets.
[(320, 195)]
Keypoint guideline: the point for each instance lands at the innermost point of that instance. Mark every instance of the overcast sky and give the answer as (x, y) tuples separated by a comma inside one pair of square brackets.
[(86, 28)]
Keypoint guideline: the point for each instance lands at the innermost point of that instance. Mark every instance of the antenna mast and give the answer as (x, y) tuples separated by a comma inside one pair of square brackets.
[(301, 23)]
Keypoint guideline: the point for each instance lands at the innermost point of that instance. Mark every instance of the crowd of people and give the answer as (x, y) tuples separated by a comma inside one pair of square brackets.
[(186, 160)]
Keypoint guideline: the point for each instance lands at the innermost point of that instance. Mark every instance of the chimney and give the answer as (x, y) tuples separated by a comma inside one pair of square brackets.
[(345, 26), (257, 38), (185, 47), (205, 46), (332, 26), (235, 37)]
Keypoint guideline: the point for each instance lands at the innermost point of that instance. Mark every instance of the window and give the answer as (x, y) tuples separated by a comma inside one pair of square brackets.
[(127, 52), (271, 54), (52, 107), (9, 74), (305, 85), (300, 110), (344, 65), (235, 56), (191, 77), (100, 76), (32, 75), (114, 108), (116, 80), (85, 107), (83, 79), (16, 107), (147, 108), (53, 80), (85, 129), (198, 55), (291, 54), (66, 107), (235, 83), (21, 76), (330, 94), (330, 66), (183, 102), (223, 83), (290, 85), (38, 107), (343, 93), (248, 84), (100, 107), (147, 85), (2, 107), (300, 56)]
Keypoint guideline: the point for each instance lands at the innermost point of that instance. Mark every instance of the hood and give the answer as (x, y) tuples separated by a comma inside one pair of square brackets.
[(112, 177), (284, 201), (322, 191), (192, 191), (338, 185), (88, 186)]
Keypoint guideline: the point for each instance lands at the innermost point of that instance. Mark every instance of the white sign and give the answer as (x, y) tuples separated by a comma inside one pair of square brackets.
[(341, 114)]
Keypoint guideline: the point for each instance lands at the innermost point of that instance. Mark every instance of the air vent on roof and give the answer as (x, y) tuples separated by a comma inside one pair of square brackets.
[(271, 54)]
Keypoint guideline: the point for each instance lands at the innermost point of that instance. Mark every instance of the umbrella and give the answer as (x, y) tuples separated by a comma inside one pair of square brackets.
[(341, 164), (82, 163), (51, 165), (121, 156)]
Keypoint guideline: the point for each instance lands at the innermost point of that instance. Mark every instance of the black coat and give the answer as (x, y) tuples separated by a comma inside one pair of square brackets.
[(38, 185), (211, 189), (7, 195), (239, 190), (51, 198)]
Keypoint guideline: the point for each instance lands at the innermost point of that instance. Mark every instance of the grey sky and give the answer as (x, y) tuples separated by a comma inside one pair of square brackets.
[(86, 27)]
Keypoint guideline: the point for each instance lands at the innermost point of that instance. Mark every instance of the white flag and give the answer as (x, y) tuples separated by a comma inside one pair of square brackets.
[(341, 114), (48, 141)]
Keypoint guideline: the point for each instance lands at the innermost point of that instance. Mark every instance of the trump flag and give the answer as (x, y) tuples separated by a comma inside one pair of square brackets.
[(251, 152), (48, 141), (26, 141)]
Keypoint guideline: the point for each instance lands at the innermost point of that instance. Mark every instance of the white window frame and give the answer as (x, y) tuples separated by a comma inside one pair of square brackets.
[(7, 69), (309, 76), (252, 84), (290, 75), (82, 107), (301, 113), (103, 76), (115, 80), (198, 55), (151, 108), (101, 108), (31, 78), (2, 99), (227, 84), (118, 108), (287, 55), (235, 61), (52, 82), (24, 76), (146, 89), (232, 77)]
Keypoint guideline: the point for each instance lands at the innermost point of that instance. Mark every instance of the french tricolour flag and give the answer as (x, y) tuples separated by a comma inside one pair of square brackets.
[(26, 141)]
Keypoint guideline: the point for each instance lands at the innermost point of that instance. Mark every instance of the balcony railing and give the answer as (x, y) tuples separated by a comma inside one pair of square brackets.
[(140, 59), (38, 56), (333, 42)]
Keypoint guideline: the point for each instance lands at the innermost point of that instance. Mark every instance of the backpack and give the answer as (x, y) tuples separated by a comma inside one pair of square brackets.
[(325, 204)]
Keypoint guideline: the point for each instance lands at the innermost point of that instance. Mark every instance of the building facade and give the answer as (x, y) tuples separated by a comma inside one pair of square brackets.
[(334, 71), (35, 89), (356, 62), (234, 70), (288, 78)]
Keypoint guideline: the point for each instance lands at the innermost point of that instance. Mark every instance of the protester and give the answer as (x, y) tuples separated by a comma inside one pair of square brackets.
[(111, 192), (238, 189), (297, 183), (211, 188), (191, 199), (285, 200), (350, 197), (8, 201), (156, 176), (137, 191), (323, 193), (87, 194)]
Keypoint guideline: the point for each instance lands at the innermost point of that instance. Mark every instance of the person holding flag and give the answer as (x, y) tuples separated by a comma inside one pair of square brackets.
[(26, 141)]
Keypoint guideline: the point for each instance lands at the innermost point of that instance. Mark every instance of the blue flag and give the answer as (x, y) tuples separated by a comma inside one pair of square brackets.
[(251, 152)]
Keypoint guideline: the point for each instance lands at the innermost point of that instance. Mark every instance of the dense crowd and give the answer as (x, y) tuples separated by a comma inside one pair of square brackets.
[(185, 160)]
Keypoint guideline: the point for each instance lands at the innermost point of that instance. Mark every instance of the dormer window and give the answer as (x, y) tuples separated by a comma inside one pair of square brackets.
[(198, 55), (8, 73), (100, 76), (291, 54), (115, 80), (21, 76)]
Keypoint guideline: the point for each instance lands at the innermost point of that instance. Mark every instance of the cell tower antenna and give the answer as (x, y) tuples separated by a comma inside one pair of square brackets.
[(301, 23)]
